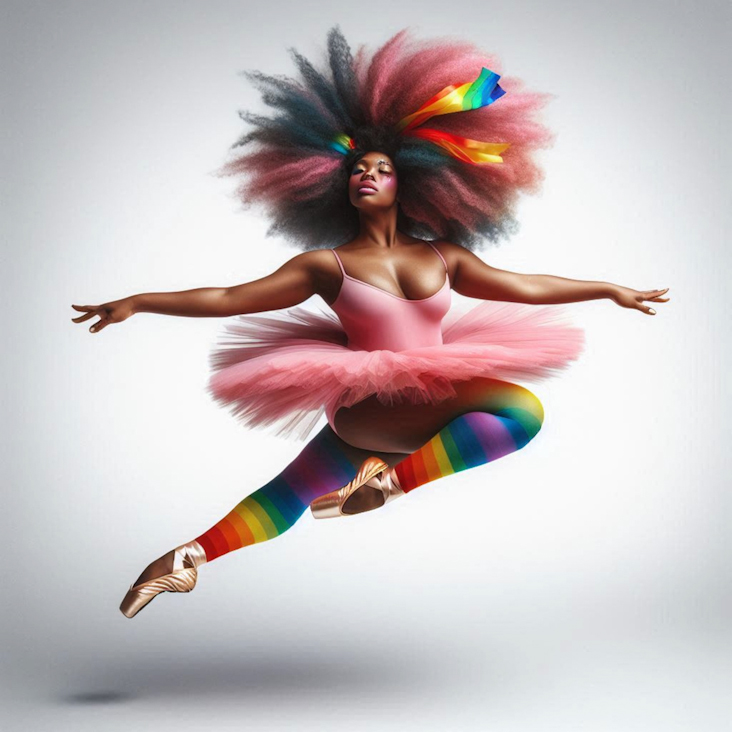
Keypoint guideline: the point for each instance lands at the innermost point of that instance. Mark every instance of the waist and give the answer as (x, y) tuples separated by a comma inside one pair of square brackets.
[(399, 341)]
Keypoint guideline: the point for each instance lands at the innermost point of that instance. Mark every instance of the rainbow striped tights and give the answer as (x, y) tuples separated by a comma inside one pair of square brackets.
[(502, 418)]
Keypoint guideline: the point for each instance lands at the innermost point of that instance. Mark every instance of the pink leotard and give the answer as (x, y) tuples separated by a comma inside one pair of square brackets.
[(282, 370), (375, 319)]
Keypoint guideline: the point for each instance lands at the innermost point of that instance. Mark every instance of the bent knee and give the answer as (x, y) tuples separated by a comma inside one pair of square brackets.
[(535, 408), (528, 411)]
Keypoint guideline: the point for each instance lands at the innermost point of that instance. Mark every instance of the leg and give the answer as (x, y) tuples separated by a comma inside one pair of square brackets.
[(487, 419), (325, 464), (406, 427)]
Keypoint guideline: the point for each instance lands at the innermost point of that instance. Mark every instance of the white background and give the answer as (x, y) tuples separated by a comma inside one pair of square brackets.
[(582, 583)]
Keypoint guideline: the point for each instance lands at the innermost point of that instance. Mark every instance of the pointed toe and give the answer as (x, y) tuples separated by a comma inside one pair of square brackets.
[(183, 578)]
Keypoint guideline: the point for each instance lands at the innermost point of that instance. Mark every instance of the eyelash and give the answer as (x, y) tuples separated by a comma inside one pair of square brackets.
[(360, 170)]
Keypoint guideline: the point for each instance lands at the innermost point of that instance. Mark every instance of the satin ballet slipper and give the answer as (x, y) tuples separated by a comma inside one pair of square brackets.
[(374, 473), (186, 560)]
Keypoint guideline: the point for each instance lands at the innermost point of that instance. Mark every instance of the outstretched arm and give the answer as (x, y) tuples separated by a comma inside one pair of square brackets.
[(291, 284), (472, 277)]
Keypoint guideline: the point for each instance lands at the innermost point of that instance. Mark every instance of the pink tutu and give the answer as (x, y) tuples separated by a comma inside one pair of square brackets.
[(289, 368)]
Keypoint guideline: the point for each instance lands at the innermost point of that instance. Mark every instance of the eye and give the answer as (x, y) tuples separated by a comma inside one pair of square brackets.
[(360, 170)]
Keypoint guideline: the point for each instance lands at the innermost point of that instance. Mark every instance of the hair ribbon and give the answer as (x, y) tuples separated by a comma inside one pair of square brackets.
[(472, 95)]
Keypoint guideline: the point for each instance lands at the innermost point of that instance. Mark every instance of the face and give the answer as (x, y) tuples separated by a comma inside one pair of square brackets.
[(373, 182)]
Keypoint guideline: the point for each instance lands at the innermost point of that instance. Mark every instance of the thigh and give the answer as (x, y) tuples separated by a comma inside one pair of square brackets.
[(405, 427), (327, 440)]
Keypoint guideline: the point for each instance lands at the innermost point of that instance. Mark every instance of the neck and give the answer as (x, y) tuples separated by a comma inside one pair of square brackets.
[(379, 228)]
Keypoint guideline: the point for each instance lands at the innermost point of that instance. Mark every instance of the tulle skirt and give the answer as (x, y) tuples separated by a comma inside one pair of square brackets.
[(285, 370)]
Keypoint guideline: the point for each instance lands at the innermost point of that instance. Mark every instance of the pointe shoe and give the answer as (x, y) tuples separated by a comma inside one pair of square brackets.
[(186, 560), (374, 473)]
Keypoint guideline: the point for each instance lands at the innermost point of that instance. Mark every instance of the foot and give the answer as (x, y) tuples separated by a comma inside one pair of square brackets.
[(175, 571), (374, 485), (366, 498), (158, 568)]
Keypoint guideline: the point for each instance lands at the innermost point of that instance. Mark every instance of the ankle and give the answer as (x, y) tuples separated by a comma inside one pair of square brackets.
[(194, 552), (401, 477), (390, 474)]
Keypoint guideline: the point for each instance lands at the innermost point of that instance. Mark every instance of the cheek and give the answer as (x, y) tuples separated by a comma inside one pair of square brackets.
[(390, 185)]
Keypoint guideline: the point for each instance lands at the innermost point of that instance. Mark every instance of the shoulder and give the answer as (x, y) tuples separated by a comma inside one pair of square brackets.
[(448, 247), (314, 260), (453, 253), (318, 265)]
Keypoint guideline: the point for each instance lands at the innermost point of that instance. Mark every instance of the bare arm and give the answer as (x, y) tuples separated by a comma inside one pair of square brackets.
[(472, 277), (291, 284)]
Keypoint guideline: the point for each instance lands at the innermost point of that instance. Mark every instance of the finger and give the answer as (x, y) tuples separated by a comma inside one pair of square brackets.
[(647, 310), (653, 293), (82, 318), (99, 325), (651, 297)]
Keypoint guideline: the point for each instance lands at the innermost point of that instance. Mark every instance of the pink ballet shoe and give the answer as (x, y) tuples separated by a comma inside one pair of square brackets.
[(186, 560), (375, 474)]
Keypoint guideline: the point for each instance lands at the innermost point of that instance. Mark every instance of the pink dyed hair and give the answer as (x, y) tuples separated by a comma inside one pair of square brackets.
[(291, 166)]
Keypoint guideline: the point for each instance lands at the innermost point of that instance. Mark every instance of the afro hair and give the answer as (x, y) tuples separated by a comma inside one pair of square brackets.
[(288, 165)]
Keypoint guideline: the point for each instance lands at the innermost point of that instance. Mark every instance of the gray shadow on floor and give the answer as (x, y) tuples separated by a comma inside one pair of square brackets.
[(266, 676), (97, 698)]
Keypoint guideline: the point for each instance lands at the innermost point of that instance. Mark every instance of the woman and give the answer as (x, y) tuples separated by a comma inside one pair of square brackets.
[(411, 392)]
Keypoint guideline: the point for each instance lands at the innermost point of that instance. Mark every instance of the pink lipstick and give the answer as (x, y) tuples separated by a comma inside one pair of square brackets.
[(367, 187)]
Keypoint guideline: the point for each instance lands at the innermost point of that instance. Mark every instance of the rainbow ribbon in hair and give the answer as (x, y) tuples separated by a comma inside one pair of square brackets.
[(463, 148), (343, 143), (471, 95)]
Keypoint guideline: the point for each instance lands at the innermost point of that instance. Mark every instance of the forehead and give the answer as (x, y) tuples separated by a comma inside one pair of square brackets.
[(375, 158)]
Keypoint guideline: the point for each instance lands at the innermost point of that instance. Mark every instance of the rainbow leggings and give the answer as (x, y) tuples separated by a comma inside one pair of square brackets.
[(502, 418)]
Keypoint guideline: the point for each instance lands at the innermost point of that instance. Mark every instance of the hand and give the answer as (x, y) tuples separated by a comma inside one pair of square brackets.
[(628, 298), (110, 312)]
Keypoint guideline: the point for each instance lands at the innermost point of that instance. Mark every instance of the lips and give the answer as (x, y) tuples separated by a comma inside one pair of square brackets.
[(367, 187)]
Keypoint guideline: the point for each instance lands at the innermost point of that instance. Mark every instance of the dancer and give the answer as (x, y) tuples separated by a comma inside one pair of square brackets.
[(388, 212)]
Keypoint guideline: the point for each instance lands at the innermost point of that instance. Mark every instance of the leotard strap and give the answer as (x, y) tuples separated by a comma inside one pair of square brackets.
[(439, 255), (338, 259)]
